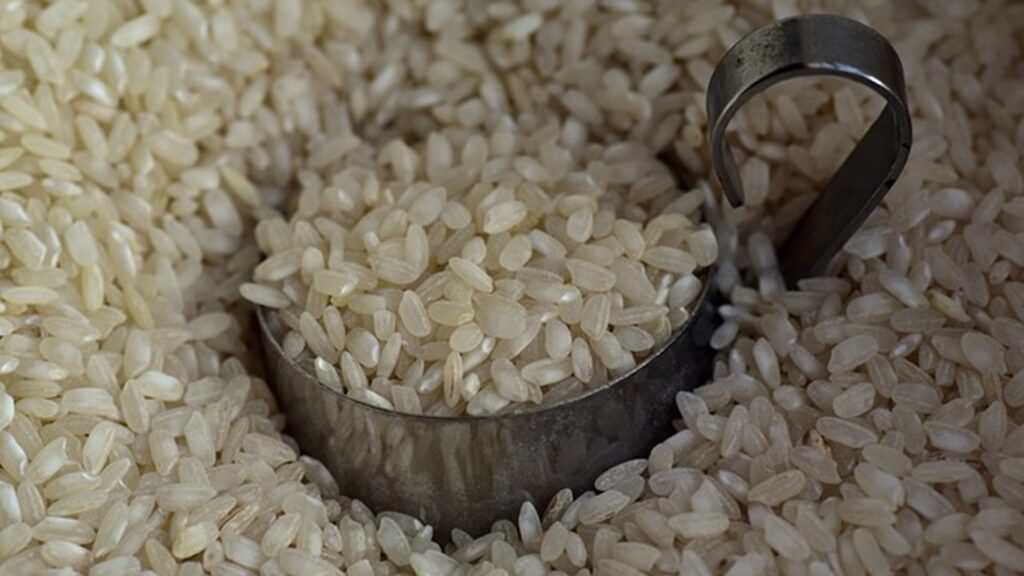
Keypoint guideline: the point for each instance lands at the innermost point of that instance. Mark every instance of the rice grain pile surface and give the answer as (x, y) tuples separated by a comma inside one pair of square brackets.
[(499, 280), (867, 423)]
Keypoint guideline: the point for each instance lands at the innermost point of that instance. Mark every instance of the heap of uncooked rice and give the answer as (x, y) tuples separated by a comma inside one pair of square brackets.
[(869, 423), (470, 274)]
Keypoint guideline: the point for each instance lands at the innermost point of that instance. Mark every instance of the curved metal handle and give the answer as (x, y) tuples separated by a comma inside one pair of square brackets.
[(804, 46)]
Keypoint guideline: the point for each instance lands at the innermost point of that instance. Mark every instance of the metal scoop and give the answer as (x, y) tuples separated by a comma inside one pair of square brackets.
[(467, 472)]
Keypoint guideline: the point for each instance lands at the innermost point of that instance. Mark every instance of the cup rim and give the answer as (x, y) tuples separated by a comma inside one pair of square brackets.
[(707, 275)]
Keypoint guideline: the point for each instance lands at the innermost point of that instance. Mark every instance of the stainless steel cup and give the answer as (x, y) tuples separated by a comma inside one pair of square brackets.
[(467, 472)]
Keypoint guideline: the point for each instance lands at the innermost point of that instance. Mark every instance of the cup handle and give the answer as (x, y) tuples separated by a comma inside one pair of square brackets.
[(805, 46)]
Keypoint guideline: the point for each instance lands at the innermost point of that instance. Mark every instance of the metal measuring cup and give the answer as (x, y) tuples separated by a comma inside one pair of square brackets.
[(469, 471)]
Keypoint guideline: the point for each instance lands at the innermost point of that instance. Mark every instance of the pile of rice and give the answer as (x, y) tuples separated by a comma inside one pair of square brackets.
[(510, 274), (868, 423)]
